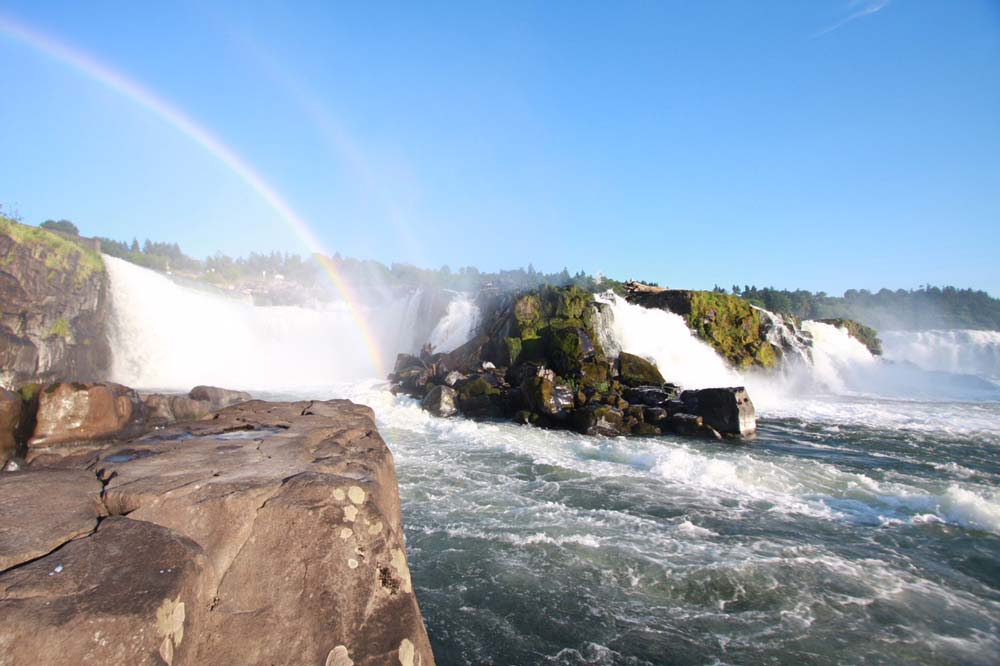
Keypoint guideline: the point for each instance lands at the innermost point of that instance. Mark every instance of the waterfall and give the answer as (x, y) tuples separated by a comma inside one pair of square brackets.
[(960, 351), (457, 325), (818, 360), (172, 336), (165, 335), (664, 338)]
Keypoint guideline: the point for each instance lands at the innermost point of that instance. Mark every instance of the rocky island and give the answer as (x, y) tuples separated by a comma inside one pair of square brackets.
[(539, 360)]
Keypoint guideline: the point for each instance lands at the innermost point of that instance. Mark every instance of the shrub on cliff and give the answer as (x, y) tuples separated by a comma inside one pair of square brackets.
[(62, 226)]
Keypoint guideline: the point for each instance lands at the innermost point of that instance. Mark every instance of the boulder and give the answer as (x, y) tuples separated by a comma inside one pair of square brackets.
[(598, 419), (484, 406), (545, 397), (413, 380), (564, 398), (218, 398), (652, 396), (270, 534), (199, 402), (656, 416), (404, 361), (637, 371), (645, 430), (687, 424), (441, 401), (727, 410), (71, 415)]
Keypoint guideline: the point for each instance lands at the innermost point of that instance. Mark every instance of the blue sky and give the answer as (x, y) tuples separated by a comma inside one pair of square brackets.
[(822, 145)]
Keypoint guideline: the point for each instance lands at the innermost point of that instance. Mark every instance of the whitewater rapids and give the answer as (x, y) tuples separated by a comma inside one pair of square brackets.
[(861, 526)]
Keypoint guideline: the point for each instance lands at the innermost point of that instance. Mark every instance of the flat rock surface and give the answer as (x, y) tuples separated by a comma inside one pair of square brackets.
[(295, 551), (121, 596), (40, 511)]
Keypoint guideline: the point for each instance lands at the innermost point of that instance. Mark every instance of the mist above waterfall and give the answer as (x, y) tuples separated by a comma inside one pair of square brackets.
[(169, 336)]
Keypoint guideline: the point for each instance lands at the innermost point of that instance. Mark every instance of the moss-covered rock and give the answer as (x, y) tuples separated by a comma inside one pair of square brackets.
[(636, 371), (599, 420), (864, 334), (731, 325)]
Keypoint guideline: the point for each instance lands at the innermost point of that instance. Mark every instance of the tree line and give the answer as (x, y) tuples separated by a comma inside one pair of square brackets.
[(926, 307), (923, 308)]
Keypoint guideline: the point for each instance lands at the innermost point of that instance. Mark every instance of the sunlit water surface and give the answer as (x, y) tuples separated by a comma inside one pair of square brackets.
[(866, 532)]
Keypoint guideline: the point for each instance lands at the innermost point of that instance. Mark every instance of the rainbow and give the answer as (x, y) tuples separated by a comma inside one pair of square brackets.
[(118, 82)]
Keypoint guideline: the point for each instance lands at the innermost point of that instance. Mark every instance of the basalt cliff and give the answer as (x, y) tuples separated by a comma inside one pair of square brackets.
[(54, 307)]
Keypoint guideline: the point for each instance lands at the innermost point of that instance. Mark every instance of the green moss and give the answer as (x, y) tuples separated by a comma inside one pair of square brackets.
[(528, 313), (513, 346), (637, 371), (58, 253), (61, 329), (594, 375), (476, 388), (733, 327), (28, 392)]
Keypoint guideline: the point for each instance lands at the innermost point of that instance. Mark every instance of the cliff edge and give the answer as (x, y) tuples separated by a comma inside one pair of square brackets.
[(54, 307)]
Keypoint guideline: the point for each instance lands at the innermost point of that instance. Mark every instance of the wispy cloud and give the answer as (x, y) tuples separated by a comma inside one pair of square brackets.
[(861, 9)]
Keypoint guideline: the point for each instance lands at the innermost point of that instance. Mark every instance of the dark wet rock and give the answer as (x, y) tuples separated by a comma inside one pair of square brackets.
[(441, 401), (404, 361), (477, 385), (271, 534), (637, 371), (413, 379), (687, 424), (526, 417), (599, 420), (486, 406), (78, 415), (646, 430), (11, 407), (656, 416), (675, 406), (652, 396), (727, 410), (564, 398), (544, 397)]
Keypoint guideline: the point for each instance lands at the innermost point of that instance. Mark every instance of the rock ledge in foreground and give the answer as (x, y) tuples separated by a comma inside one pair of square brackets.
[(270, 534)]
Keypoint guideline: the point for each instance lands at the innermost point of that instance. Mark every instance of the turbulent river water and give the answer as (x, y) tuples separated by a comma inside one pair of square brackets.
[(862, 525)]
